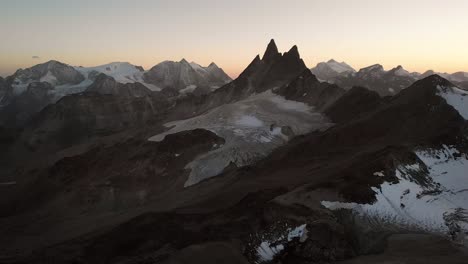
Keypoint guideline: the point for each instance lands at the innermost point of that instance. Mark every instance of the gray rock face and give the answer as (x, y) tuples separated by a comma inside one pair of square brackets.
[(217, 74), (183, 75), (104, 84), (377, 79)]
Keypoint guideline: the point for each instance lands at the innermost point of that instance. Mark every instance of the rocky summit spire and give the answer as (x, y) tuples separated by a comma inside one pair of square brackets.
[(293, 53), (271, 51)]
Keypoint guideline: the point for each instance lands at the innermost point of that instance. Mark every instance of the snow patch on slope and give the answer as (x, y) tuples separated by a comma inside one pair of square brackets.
[(440, 205), (122, 72), (456, 98), (267, 250), (252, 128)]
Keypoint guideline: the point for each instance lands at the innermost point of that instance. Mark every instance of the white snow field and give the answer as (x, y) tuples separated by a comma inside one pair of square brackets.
[(439, 205), (252, 128), (122, 72), (456, 98)]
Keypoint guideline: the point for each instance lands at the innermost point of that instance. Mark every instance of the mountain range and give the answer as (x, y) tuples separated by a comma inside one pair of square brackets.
[(376, 78), (279, 165), (28, 91)]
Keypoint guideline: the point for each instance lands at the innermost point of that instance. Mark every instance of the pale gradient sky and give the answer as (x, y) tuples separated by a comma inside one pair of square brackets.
[(418, 34)]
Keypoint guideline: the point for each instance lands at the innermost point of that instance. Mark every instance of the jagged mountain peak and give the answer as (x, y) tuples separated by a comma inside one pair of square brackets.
[(271, 52), (184, 61), (293, 52), (213, 65)]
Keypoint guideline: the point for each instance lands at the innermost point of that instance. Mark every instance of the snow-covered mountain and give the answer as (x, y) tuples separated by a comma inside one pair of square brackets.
[(186, 77), (52, 72), (122, 72), (328, 71)]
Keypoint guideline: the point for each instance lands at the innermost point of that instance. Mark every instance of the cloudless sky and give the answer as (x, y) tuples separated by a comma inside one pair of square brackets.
[(418, 34)]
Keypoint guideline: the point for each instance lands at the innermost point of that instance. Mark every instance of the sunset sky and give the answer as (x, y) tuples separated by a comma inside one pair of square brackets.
[(419, 35)]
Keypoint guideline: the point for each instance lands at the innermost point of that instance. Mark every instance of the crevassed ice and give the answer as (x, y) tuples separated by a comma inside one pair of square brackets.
[(425, 207), (252, 128)]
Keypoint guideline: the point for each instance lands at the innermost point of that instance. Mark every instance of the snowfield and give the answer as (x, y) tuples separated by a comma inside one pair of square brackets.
[(122, 72), (252, 128), (456, 98), (437, 203)]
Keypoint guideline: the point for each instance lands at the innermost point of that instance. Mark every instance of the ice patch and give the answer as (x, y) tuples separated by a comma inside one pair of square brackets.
[(249, 121), (266, 251), (49, 77), (188, 89), (379, 173), (290, 105)]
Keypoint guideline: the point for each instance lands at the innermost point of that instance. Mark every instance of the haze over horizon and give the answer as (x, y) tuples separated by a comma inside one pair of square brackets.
[(231, 34)]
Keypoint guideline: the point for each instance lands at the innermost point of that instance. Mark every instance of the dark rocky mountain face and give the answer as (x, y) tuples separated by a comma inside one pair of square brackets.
[(104, 84), (3, 87), (156, 167), (217, 75), (23, 107), (306, 88), (354, 103), (81, 119), (274, 70)]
